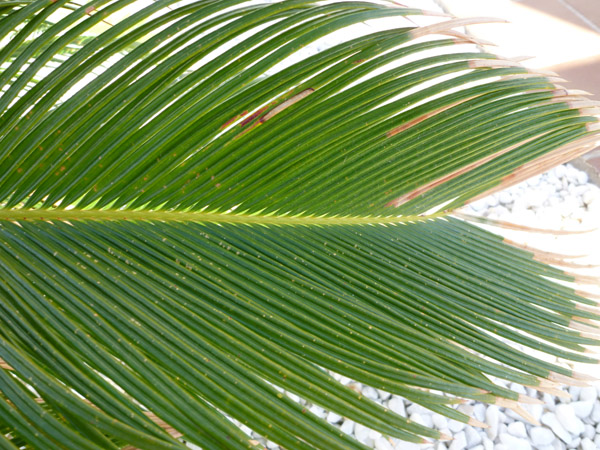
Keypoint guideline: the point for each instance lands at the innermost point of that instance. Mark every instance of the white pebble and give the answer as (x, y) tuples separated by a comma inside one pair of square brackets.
[(590, 196), (416, 408), (397, 405), (596, 413), (293, 397), (575, 443), (567, 418), (370, 392), (383, 395), (487, 444), (587, 444), (345, 380), (459, 442), (582, 409), (574, 391), (517, 429), (535, 410), (514, 443), (456, 426), (407, 446), (559, 171), (439, 421), (550, 420), (318, 411), (492, 201), (549, 401), (422, 419), (348, 426), (473, 437), (333, 417), (374, 434), (541, 436), (589, 431), (492, 418), (588, 394), (383, 444), (479, 412), (272, 445), (505, 198), (582, 177), (519, 388), (361, 433)]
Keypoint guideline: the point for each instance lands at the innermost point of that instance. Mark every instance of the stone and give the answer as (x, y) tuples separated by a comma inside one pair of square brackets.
[(492, 201), (590, 196), (541, 436), (514, 443), (535, 410), (574, 391), (519, 388), (567, 418), (574, 443), (587, 444), (549, 401), (487, 444), (401, 445), (440, 422), (492, 418), (517, 429), (383, 395), (589, 432), (459, 442), (318, 411), (293, 397), (415, 408), (473, 437), (397, 405), (374, 434), (582, 408), (479, 412), (347, 427), (455, 426), (550, 420), (361, 433), (588, 394), (505, 198), (422, 419), (272, 445), (370, 393), (333, 417), (383, 444), (582, 177)]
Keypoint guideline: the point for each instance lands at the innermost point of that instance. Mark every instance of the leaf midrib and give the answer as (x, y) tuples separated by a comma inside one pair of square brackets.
[(70, 215)]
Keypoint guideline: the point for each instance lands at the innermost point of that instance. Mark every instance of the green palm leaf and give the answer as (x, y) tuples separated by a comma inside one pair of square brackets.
[(191, 223)]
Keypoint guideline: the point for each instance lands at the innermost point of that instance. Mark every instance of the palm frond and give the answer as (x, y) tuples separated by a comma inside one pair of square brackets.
[(199, 212)]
